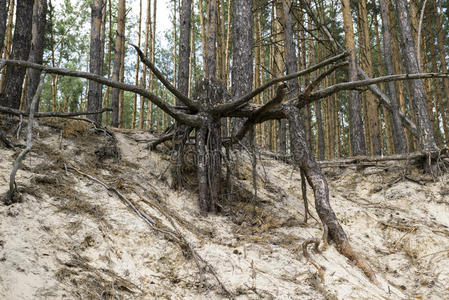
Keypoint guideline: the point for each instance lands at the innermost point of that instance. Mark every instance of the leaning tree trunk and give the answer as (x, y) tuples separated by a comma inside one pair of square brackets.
[(37, 49), (96, 60), (12, 87), (303, 157), (425, 129)]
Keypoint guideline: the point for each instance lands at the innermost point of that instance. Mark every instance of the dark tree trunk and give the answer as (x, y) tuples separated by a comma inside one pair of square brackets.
[(37, 49), (3, 16), (12, 87), (94, 96), (400, 143), (303, 157), (417, 91), (209, 144), (242, 56)]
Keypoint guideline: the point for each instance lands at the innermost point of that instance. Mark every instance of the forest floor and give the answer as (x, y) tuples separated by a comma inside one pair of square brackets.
[(71, 238)]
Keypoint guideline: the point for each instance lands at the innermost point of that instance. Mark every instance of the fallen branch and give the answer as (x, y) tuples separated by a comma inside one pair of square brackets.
[(12, 195), (16, 112)]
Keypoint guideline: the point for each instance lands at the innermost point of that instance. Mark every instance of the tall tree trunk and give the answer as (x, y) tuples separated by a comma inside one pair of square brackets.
[(184, 47), (139, 39), (211, 40), (280, 32), (242, 56), (21, 44), (3, 17), (37, 49), (119, 51), (143, 80), (444, 105), (366, 63), (153, 55), (94, 95), (355, 105), (425, 129), (108, 58)]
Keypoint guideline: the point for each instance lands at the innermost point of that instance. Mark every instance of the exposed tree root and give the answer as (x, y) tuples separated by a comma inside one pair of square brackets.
[(309, 259)]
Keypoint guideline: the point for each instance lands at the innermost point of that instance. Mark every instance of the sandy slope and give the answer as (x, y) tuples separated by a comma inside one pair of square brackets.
[(71, 238)]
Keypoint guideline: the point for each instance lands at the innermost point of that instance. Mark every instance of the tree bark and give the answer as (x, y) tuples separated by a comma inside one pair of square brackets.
[(119, 52), (211, 40), (94, 94), (37, 49), (21, 44), (424, 125), (400, 143), (242, 56), (184, 47), (366, 63), (3, 17), (355, 105)]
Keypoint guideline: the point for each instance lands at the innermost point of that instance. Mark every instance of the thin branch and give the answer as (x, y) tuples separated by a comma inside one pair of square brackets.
[(12, 177), (227, 107), (184, 99), (166, 107), (418, 54), (320, 78), (16, 112)]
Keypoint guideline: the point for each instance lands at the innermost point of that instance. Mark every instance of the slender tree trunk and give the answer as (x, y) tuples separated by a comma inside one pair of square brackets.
[(184, 47), (153, 55), (96, 60), (444, 104), (366, 63), (143, 80), (21, 45), (424, 125), (211, 40), (108, 59), (203, 34), (3, 17), (355, 105), (37, 49), (280, 23), (119, 51), (139, 38)]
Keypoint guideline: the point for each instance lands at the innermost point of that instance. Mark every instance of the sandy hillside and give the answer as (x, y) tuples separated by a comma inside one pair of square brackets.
[(73, 238)]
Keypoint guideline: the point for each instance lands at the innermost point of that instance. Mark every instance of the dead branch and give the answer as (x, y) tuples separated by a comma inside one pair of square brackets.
[(320, 78), (179, 116), (16, 112), (12, 195), (184, 99), (309, 259), (233, 105), (5, 140)]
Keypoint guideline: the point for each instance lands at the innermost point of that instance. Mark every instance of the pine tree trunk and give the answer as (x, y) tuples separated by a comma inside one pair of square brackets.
[(444, 105), (366, 63), (3, 17), (96, 60), (37, 49), (119, 52), (242, 56), (12, 87), (425, 129), (139, 39), (355, 105)]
